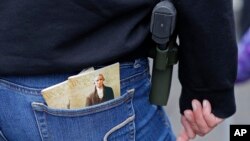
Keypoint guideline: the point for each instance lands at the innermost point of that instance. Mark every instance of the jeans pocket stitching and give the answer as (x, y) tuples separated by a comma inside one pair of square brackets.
[(43, 126), (119, 126), (2, 136)]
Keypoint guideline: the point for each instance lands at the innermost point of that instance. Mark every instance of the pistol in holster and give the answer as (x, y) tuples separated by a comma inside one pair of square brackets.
[(164, 56)]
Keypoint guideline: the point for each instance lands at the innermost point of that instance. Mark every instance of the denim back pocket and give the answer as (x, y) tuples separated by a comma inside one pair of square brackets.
[(111, 120), (2, 138)]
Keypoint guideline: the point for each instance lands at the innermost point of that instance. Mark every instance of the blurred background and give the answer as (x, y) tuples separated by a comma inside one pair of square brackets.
[(242, 93)]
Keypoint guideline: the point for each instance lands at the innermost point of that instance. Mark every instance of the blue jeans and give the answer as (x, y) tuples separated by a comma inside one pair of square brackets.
[(24, 116)]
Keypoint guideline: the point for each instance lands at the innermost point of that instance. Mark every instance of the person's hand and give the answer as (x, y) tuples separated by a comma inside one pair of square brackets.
[(200, 121)]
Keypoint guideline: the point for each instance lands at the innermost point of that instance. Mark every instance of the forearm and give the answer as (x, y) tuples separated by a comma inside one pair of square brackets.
[(207, 54)]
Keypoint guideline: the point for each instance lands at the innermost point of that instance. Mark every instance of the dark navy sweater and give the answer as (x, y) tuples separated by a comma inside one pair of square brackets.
[(53, 36), (38, 37)]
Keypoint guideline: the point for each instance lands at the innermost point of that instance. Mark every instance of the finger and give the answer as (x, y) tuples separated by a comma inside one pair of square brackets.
[(189, 131), (199, 119), (183, 136), (209, 117), (191, 120)]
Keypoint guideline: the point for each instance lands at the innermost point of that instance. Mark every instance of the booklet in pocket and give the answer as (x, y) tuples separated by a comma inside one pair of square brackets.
[(95, 87), (85, 89)]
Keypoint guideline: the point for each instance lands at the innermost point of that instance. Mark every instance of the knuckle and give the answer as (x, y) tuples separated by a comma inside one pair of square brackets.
[(194, 127)]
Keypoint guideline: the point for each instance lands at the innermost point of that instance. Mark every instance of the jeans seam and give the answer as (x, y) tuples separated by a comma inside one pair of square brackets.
[(20, 88), (43, 132), (132, 124), (2, 136), (132, 131)]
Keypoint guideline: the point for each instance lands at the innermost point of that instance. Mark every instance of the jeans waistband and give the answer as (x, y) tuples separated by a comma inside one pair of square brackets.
[(41, 81)]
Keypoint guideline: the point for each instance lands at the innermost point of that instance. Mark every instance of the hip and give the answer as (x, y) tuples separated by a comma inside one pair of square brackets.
[(128, 117)]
